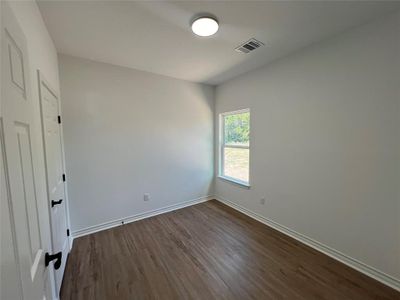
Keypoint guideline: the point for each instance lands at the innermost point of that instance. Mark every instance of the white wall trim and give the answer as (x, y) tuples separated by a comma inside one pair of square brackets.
[(137, 217), (71, 242), (347, 260)]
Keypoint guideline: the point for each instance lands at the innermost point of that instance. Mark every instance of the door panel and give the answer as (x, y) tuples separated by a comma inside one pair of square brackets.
[(19, 153), (26, 173), (11, 287), (30, 244), (50, 108), (16, 64)]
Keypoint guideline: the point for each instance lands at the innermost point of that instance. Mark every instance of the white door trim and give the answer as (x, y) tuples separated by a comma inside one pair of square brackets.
[(43, 84), (42, 80)]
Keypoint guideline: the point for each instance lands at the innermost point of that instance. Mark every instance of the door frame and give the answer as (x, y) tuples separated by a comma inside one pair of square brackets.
[(41, 79)]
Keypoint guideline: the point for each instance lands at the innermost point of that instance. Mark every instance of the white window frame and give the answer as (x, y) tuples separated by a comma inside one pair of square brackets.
[(222, 146)]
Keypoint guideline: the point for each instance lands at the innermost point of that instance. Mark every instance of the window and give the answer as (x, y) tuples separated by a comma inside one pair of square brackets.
[(235, 146)]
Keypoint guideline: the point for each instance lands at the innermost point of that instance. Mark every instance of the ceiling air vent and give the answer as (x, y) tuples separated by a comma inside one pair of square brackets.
[(249, 46)]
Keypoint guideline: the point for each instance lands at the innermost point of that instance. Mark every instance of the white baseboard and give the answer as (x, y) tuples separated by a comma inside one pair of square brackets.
[(137, 217), (347, 260), (71, 242)]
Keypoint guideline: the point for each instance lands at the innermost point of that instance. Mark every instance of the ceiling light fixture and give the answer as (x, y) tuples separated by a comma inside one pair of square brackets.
[(205, 26)]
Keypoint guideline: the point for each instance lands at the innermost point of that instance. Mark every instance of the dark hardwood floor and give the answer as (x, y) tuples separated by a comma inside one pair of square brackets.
[(207, 251)]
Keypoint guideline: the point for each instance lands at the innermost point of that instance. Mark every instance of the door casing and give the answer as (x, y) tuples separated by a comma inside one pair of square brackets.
[(44, 84)]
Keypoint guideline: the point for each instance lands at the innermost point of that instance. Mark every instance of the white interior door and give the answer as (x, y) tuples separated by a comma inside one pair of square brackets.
[(50, 108), (25, 216)]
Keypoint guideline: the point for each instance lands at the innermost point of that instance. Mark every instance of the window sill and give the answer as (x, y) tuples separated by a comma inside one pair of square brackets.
[(235, 181)]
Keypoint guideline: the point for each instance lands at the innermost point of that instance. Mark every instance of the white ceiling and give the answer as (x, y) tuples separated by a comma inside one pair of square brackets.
[(156, 36)]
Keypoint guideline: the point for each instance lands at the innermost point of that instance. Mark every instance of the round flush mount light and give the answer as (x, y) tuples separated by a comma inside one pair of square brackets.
[(205, 26)]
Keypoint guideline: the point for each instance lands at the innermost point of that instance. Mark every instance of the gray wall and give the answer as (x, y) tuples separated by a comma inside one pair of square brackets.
[(325, 143), (128, 133)]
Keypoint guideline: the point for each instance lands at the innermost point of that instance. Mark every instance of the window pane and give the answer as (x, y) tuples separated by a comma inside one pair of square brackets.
[(236, 163), (237, 128)]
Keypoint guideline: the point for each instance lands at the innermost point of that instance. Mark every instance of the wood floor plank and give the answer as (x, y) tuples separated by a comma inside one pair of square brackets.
[(207, 251)]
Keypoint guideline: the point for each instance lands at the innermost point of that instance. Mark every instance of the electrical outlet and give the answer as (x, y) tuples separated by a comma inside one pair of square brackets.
[(146, 197), (262, 201)]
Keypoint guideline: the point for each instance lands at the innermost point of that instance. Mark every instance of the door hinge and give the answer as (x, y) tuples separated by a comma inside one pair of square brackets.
[(67, 232), (49, 257), (59, 119), (54, 203), (63, 176)]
